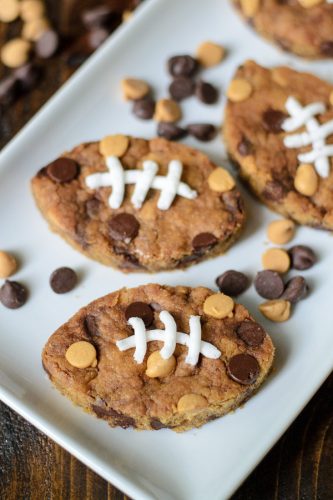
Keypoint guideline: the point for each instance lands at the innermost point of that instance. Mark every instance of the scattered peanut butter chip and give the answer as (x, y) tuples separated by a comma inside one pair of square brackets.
[(159, 367), (9, 10), (239, 90), (220, 180), (281, 231), (306, 180), (127, 15), (33, 30), (81, 354), (32, 9), (209, 54), (114, 145), (218, 306), (15, 53), (307, 4), (276, 310), (276, 259), (191, 402), (167, 110), (134, 89), (8, 264), (331, 98), (250, 7)]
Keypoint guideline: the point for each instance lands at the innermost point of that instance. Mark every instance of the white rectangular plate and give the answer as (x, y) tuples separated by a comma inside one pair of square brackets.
[(206, 463)]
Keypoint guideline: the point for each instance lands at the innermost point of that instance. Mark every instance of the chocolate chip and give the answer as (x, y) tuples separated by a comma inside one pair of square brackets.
[(203, 241), (63, 170), (243, 368), (123, 227), (273, 120), (182, 65), (244, 147), (90, 324), (140, 310), (131, 262), (119, 418), (156, 424), (326, 48), (9, 89), (269, 284), (202, 131), (28, 76), (13, 295), (47, 44), (97, 17), (92, 208), (181, 87), (251, 333), (296, 289), (274, 191), (170, 131), (206, 92), (144, 108), (96, 37), (232, 283), (302, 257), (63, 280)]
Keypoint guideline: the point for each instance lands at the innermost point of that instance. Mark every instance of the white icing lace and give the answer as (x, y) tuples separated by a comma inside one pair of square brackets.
[(315, 134), (145, 179), (170, 337)]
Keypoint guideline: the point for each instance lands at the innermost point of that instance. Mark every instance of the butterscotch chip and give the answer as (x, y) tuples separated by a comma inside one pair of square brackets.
[(81, 354), (134, 89), (114, 145), (191, 402), (276, 310), (218, 306), (307, 4), (210, 54), (221, 181), (250, 7), (9, 10), (8, 264), (306, 180), (331, 98), (15, 53), (281, 231), (33, 30), (159, 367), (167, 110), (127, 15), (239, 90), (276, 259), (32, 9)]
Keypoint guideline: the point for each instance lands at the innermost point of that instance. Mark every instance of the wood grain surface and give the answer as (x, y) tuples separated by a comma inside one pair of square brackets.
[(300, 466)]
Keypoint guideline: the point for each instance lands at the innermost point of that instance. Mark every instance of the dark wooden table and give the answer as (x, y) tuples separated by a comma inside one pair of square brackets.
[(300, 466)]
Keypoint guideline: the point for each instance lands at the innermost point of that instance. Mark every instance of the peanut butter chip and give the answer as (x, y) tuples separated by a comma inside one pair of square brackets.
[(15, 53), (114, 145), (276, 310), (307, 4), (218, 306), (250, 7), (276, 259), (331, 98), (32, 9), (8, 264), (167, 110), (81, 354), (159, 367), (281, 232), (9, 10), (210, 54), (220, 180), (306, 180), (33, 30), (191, 402), (134, 89), (239, 90)]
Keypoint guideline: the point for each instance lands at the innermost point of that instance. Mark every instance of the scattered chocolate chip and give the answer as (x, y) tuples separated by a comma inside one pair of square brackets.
[(62, 170), (170, 131), (273, 120), (96, 37), (244, 147), (90, 324), (203, 241), (63, 280), (9, 89), (302, 257), (181, 87), (206, 92), (156, 424), (140, 310), (274, 191), (251, 333), (92, 208), (232, 283), (296, 289), (97, 17), (182, 65), (269, 284), (123, 227), (47, 44), (144, 108), (130, 261), (13, 295), (326, 48), (28, 76), (202, 131), (243, 368), (119, 418)]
